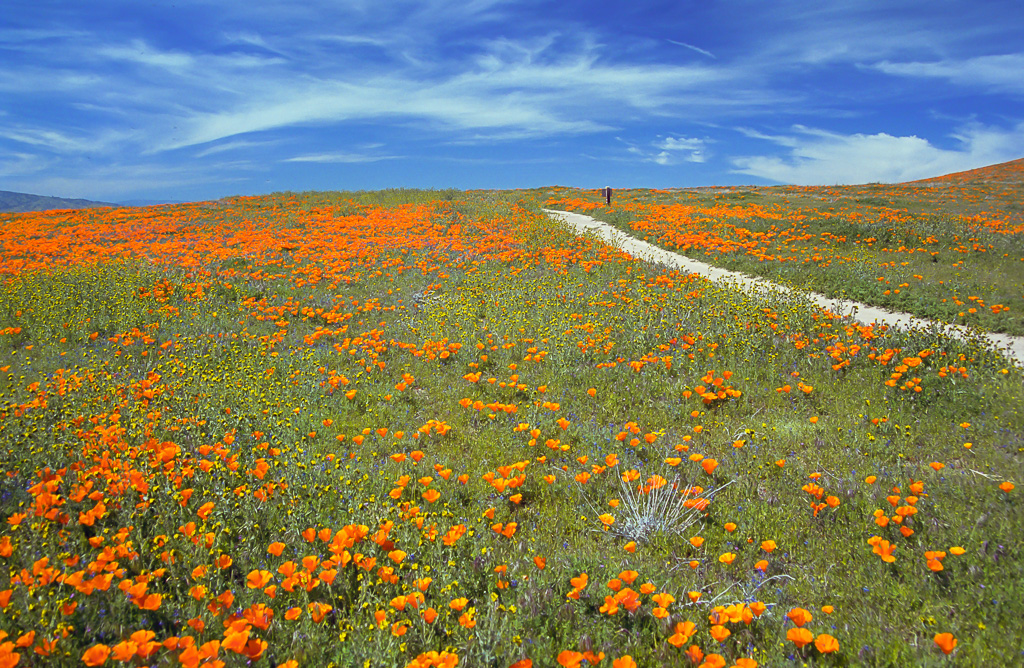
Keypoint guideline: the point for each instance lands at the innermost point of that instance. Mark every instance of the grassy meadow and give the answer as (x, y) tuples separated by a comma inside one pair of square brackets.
[(410, 428)]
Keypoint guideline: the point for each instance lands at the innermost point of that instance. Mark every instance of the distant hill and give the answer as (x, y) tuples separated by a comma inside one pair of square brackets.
[(11, 202), (1004, 172), (149, 202)]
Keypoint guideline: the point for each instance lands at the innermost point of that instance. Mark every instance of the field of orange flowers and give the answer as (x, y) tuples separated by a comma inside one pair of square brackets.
[(948, 249), (433, 429)]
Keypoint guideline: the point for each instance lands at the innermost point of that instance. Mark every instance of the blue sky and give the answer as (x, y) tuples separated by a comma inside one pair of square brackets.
[(120, 100)]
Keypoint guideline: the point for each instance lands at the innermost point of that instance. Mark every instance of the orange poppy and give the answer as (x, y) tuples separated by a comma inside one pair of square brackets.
[(945, 641), (720, 633), (97, 655), (628, 576), (799, 636), (826, 644), (799, 616)]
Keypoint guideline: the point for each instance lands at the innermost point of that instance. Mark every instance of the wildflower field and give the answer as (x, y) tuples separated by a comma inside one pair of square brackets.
[(947, 249), (421, 429)]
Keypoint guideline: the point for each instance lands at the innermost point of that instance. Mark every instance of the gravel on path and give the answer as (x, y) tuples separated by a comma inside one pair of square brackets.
[(1011, 346)]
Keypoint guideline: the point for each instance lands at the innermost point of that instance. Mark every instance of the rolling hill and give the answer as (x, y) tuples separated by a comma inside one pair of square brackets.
[(1003, 172), (14, 202)]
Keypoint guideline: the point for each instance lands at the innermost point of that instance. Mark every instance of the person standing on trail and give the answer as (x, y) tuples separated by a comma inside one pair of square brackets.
[(607, 192)]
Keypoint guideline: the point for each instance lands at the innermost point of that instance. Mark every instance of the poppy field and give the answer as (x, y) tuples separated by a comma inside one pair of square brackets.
[(946, 249), (433, 428)]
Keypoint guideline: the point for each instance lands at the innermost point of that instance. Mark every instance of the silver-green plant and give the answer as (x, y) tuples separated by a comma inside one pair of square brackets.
[(660, 509)]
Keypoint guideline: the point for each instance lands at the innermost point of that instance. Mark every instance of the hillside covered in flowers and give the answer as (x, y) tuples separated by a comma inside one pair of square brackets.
[(421, 429)]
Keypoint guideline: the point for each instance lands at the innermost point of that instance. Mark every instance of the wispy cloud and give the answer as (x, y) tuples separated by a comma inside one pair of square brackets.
[(364, 40), (340, 158), (120, 181), (693, 48), (796, 33), (48, 138), (139, 52), (59, 141), (233, 146), (524, 88), (819, 157), (1004, 72), (21, 164)]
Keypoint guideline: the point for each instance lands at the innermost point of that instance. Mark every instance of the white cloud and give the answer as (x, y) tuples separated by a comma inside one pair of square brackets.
[(671, 150), (253, 80), (250, 39), (232, 146), (20, 164), (515, 88), (207, 67), (33, 79), (114, 182), (818, 157), (694, 48), (681, 144), (340, 158), (63, 142), (1004, 72), (48, 138), (363, 40), (792, 33), (663, 158), (137, 51)]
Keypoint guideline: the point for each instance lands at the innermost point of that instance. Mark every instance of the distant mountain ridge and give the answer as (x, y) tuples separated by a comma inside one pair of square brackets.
[(11, 202)]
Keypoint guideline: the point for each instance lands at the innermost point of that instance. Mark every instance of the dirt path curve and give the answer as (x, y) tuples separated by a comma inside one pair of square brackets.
[(1012, 346)]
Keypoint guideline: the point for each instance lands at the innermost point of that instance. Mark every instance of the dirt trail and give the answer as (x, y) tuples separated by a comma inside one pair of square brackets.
[(1012, 346)]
